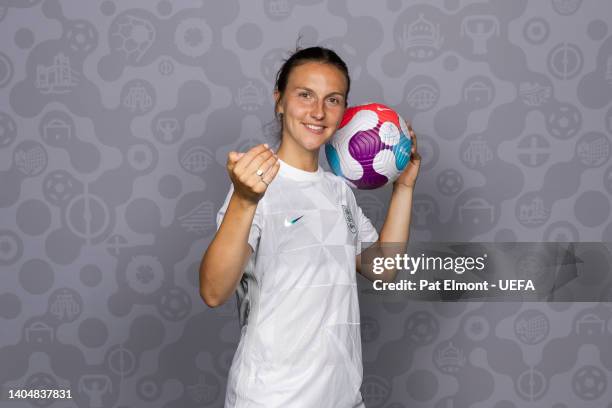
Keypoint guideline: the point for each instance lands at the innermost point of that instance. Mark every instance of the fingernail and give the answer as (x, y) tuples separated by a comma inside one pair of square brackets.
[(265, 144)]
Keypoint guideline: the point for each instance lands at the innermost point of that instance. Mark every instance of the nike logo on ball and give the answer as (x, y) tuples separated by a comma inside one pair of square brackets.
[(293, 221), (382, 109)]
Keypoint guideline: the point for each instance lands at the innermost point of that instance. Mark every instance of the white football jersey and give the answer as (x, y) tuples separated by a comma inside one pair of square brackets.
[(300, 342)]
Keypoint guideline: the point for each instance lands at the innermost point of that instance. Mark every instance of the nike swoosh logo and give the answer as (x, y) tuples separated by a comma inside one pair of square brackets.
[(293, 221)]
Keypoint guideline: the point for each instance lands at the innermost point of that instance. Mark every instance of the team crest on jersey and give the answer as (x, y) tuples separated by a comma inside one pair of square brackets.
[(349, 219)]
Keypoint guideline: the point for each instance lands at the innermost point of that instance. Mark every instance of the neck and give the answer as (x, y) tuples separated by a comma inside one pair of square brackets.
[(298, 157)]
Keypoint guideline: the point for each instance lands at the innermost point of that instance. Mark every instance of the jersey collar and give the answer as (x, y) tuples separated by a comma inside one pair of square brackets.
[(298, 174)]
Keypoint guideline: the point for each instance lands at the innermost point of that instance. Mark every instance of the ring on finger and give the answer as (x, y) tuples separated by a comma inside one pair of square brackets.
[(259, 172)]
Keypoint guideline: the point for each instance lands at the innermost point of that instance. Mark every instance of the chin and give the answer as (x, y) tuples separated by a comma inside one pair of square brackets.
[(310, 141), (312, 147), (312, 144)]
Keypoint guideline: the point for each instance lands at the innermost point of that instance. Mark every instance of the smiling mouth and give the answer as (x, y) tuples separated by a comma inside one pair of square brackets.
[(314, 128)]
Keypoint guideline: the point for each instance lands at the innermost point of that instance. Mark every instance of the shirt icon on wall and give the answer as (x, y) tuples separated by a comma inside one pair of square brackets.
[(289, 223)]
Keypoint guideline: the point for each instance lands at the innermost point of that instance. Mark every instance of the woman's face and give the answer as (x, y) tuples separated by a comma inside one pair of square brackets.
[(312, 104)]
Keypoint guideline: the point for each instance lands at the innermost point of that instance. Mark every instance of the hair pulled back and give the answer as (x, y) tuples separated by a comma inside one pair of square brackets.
[(302, 56)]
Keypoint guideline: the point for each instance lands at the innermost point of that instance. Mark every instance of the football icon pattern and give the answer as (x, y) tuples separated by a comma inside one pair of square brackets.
[(371, 146)]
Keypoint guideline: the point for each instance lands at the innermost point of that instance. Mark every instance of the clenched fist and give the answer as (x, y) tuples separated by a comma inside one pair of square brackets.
[(252, 172)]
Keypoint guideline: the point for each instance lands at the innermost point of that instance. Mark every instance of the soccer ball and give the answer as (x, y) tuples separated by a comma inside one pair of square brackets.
[(371, 146)]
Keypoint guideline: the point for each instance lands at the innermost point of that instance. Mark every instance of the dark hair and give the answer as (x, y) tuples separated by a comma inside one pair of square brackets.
[(302, 56)]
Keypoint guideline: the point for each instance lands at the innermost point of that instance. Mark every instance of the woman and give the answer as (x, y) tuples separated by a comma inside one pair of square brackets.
[(296, 232)]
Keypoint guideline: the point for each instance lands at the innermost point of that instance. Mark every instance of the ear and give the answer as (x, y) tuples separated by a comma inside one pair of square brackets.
[(277, 97)]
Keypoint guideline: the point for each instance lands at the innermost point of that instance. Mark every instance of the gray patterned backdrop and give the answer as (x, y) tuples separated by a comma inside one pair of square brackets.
[(116, 118)]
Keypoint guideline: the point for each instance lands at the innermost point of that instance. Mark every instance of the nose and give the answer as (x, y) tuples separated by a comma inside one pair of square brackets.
[(318, 110)]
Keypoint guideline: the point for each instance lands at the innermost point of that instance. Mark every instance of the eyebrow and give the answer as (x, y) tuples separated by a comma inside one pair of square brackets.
[(329, 94)]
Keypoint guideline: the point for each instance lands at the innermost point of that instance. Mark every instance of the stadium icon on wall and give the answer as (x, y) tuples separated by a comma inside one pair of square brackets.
[(196, 160), (423, 97), (198, 220)]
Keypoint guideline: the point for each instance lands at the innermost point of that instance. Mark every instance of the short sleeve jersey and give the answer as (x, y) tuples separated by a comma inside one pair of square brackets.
[(300, 343)]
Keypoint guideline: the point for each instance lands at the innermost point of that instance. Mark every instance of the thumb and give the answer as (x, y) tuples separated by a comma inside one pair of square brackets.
[(233, 156)]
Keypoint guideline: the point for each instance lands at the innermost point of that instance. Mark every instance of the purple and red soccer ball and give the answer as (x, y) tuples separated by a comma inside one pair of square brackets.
[(370, 148)]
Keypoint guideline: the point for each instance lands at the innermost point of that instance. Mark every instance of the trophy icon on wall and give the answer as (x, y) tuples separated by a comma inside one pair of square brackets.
[(479, 29), (166, 128), (95, 386), (422, 209)]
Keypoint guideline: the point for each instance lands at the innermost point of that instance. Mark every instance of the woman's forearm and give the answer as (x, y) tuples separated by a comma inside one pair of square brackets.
[(223, 262), (396, 227), (394, 234)]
